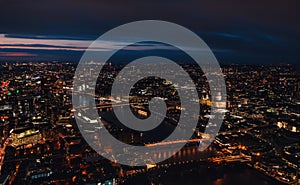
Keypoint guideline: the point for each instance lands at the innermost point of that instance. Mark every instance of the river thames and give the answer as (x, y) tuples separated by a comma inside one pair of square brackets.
[(199, 174)]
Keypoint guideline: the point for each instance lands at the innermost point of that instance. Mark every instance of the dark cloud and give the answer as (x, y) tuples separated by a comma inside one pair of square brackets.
[(252, 30), (92, 17)]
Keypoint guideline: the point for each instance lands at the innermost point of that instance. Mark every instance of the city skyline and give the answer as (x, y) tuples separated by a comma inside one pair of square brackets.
[(149, 93), (41, 142)]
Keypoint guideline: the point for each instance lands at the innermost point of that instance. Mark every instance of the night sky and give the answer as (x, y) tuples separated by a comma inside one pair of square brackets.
[(237, 31)]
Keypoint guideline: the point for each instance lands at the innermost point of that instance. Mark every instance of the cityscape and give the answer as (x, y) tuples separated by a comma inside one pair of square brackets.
[(41, 142), (169, 92)]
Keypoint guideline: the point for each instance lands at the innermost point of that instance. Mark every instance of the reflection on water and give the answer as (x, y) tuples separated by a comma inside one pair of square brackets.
[(222, 175), (201, 174), (218, 182)]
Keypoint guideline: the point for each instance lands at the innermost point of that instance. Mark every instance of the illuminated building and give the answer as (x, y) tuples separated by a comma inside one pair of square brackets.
[(25, 137)]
